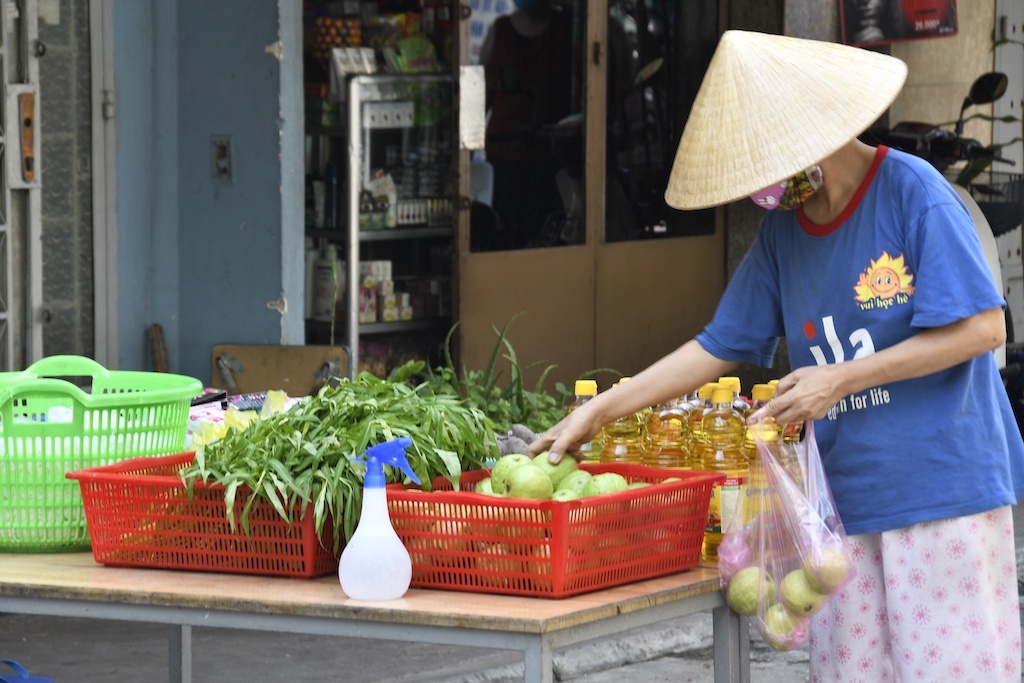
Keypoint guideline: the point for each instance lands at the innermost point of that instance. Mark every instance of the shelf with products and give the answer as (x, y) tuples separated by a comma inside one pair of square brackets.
[(380, 188), (422, 231), (379, 154)]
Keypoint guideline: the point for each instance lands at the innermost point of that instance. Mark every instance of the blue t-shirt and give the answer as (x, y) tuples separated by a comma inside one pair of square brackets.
[(902, 257)]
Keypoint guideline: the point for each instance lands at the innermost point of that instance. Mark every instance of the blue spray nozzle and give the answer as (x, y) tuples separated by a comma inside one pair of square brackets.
[(387, 453)]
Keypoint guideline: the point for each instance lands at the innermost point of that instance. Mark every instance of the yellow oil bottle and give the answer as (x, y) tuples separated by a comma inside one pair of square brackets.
[(624, 438), (791, 432), (723, 433), (741, 406), (583, 391), (768, 430), (695, 440), (666, 430)]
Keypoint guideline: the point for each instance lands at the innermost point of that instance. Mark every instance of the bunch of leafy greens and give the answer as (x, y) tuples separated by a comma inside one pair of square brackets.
[(513, 403), (305, 455)]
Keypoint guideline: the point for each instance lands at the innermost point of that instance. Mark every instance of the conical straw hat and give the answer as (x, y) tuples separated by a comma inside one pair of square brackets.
[(770, 106)]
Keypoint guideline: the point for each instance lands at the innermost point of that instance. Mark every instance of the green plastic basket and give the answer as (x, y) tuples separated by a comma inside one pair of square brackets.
[(67, 413)]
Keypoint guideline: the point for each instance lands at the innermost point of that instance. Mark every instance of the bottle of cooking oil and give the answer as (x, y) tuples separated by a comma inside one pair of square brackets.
[(624, 438), (695, 440), (760, 394), (723, 430), (768, 430), (666, 429), (791, 432), (584, 390), (741, 406)]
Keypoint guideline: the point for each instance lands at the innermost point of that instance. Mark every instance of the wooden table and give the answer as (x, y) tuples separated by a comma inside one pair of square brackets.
[(74, 585)]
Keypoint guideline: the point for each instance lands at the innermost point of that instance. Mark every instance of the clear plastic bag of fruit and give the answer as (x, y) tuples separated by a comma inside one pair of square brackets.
[(787, 553)]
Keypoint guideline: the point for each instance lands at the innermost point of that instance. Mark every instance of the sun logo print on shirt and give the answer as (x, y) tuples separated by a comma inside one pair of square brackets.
[(883, 283)]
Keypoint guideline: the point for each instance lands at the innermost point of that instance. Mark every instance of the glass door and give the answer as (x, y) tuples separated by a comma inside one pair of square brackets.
[(658, 270), (566, 223), (526, 245)]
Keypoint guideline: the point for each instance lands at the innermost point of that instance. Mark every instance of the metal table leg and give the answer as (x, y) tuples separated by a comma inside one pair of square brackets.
[(180, 653), (539, 661), (732, 646)]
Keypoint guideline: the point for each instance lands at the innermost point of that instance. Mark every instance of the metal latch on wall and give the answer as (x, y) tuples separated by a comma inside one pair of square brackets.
[(27, 112), (23, 166)]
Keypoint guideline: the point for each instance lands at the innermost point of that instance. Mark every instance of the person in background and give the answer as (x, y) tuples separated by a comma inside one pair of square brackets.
[(876, 279), (526, 57)]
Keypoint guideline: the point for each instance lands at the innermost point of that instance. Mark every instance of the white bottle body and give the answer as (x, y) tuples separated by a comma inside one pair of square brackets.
[(312, 254), (326, 284), (375, 564)]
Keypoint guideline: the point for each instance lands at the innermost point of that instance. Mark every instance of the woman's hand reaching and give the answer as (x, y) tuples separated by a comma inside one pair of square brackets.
[(566, 437)]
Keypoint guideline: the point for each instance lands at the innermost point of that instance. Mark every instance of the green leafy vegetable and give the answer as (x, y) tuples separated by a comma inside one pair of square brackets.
[(514, 403), (304, 455)]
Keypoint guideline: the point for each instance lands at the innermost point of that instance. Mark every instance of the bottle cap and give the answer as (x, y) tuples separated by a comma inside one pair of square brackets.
[(732, 383), (585, 387), (722, 395), (762, 392), (704, 393), (387, 453)]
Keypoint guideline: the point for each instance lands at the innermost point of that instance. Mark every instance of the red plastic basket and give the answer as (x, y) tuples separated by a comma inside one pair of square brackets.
[(140, 515), (467, 541)]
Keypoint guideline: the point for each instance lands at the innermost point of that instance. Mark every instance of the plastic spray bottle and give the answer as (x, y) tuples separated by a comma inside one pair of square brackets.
[(375, 564)]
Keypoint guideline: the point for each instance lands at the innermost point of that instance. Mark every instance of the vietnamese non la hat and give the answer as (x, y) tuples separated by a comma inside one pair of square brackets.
[(769, 107)]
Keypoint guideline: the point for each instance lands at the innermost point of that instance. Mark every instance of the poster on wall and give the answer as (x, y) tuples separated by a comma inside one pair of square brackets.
[(879, 22)]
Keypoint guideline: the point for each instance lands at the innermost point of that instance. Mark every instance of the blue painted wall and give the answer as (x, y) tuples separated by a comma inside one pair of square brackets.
[(203, 257)]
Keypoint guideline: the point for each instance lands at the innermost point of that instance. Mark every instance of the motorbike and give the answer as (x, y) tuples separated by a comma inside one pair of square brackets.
[(994, 198)]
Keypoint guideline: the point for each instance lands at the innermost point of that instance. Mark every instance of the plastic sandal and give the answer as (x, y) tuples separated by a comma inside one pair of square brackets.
[(23, 676)]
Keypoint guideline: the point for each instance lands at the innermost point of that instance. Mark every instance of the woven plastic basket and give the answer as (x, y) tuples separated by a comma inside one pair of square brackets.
[(140, 515), (467, 541), (68, 412)]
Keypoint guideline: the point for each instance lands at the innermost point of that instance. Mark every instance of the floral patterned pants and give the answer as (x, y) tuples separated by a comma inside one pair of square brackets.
[(932, 603)]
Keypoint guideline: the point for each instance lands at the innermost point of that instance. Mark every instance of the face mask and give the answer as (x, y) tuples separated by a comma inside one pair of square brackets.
[(791, 193)]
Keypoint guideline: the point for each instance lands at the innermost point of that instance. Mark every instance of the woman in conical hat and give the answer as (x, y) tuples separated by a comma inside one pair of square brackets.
[(875, 277)]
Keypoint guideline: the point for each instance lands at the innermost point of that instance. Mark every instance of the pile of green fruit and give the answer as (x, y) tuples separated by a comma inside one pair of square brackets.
[(519, 476), (785, 608)]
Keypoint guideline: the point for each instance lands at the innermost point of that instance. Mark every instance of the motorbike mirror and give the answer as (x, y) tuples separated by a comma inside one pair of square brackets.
[(987, 88)]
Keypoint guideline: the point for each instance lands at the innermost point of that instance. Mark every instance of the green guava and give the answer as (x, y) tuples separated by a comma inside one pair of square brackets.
[(742, 591), (527, 481), (780, 628), (799, 596), (556, 473), (565, 494), (827, 569), (484, 486), (504, 466), (575, 481), (605, 482)]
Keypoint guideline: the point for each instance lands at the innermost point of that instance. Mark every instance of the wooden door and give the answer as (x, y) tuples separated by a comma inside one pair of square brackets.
[(617, 298)]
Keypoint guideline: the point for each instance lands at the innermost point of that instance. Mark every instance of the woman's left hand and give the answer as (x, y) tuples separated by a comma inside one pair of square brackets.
[(804, 394)]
